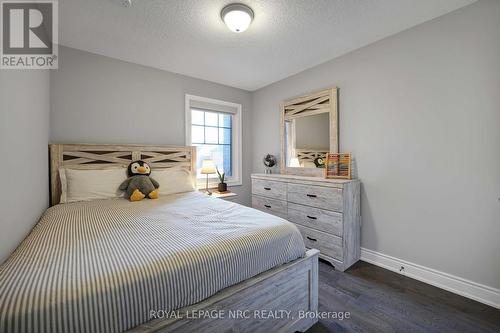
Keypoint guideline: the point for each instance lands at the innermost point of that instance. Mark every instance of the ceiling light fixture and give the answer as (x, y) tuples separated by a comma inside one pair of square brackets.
[(237, 17), (126, 3)]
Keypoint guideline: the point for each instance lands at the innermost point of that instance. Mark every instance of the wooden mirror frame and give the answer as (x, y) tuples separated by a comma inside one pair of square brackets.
[(324, 101)]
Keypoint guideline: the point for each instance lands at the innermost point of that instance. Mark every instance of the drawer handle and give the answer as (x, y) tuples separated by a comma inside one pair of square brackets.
[(267, 206), (267, 188), (312, 217), (311, 195), (312, 239)]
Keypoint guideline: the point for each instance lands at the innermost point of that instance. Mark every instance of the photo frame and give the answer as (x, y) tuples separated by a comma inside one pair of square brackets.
[(338, 166)]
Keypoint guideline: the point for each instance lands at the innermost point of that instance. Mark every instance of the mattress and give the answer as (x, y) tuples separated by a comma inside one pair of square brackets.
[(102, 266)]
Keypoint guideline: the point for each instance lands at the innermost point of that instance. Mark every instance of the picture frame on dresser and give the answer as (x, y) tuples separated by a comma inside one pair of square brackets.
[(327, 212), (338, 166)]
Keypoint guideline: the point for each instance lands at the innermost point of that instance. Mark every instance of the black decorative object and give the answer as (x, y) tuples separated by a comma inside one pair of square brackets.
[(269, 161), (319, 162), (222, 186)]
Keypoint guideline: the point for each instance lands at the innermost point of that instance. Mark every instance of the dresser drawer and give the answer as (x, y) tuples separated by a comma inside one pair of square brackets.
[(327, 244), (268, 205), (269, 188), (320, 219), (316, 196)]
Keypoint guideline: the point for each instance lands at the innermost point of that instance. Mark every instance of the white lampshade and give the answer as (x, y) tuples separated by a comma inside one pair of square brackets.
[(237, 17), (207, 167), (294, 162)]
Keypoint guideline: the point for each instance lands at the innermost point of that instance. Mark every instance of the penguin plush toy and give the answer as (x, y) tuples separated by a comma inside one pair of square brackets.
[(139, 185)]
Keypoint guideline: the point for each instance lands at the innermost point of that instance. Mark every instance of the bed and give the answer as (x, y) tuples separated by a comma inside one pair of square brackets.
[(114, 266)]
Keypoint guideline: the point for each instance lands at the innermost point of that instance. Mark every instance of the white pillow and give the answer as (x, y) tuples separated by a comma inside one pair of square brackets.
[(87, 185), (174, 180)]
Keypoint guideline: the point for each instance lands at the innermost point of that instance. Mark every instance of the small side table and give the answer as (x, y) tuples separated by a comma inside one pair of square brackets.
[(228, 195)]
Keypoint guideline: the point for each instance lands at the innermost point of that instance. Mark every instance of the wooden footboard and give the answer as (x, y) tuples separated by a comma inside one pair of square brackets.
[(277, 300)]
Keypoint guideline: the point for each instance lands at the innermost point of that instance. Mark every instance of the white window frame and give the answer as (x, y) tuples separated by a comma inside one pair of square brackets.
[(235, 179)]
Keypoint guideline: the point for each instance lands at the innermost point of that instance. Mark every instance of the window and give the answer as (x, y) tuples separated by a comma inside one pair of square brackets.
[(214, 127), (211, 133)]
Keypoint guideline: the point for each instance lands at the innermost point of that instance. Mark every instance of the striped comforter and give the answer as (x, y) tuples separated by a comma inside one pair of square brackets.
[(102, 266)]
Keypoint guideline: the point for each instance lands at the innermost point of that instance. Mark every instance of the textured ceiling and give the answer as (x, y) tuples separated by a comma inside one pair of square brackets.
[(286, 37)]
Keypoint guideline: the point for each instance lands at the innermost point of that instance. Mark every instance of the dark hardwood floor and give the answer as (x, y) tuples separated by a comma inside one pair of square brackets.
[(382, 301)]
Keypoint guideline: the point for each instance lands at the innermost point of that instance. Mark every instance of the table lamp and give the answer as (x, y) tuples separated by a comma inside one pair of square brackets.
[(207, 168)]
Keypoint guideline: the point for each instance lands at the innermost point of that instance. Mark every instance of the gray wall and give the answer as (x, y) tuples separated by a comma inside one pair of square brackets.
[(98, 99), (24, 135), (421, 113)]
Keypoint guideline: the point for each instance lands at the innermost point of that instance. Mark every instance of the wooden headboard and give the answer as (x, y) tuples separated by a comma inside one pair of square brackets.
[(309, 155), (102, 156)]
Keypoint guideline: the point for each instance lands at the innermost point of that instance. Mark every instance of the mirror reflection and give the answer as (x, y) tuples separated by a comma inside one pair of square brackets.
[(307, 140)]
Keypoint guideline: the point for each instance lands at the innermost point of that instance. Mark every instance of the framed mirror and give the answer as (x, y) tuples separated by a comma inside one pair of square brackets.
[(309, 130)]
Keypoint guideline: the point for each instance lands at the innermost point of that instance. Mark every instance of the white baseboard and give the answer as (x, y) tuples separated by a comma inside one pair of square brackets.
[(454, 284)]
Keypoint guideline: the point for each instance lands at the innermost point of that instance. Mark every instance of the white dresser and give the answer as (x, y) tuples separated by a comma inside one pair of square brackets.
[(326, 211)]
